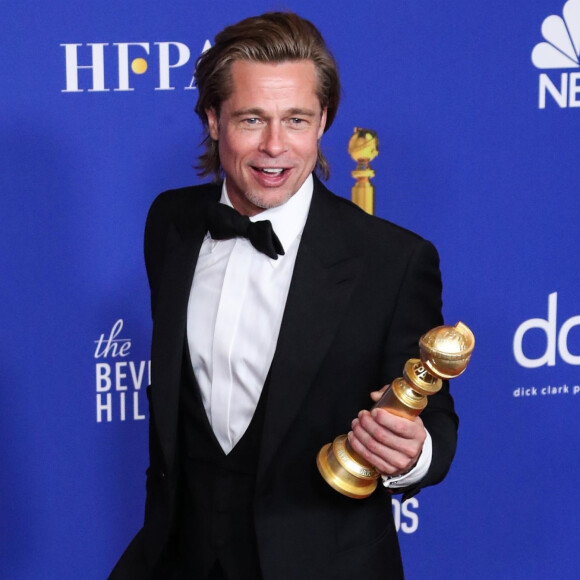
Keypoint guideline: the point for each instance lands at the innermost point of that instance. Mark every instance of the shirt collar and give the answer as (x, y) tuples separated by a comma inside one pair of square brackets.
[(288, 220)]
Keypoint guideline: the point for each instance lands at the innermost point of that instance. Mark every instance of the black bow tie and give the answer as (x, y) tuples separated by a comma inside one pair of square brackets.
[(225, 223)]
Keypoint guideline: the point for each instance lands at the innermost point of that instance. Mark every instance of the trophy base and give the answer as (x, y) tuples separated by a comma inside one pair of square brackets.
[(343, 472)]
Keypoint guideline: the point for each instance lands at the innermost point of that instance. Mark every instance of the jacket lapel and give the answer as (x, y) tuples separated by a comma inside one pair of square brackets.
[(324, 276), (170, 327)]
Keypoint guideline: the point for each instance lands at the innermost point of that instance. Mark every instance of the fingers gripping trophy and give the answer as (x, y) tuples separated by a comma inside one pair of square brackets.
[(445, 352)]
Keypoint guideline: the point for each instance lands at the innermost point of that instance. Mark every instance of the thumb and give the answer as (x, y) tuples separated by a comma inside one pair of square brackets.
[(376, 395)]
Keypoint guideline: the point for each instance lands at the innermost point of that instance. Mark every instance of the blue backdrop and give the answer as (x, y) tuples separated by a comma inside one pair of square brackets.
[(479, 153)]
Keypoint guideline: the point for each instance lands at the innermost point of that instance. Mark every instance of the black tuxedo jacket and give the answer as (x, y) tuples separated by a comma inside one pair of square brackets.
[(362, 293)]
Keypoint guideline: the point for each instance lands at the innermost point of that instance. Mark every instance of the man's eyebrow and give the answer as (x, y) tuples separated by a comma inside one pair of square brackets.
[(250, 111), (257, 112), (302, 112)]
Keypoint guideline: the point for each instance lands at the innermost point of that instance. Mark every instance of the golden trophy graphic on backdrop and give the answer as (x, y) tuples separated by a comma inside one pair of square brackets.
[(363, 147), (445, 352)]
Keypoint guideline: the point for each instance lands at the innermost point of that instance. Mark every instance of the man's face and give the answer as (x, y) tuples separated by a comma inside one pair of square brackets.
[(268, 132)]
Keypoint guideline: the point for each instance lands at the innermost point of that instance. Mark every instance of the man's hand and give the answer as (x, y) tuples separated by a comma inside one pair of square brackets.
[(391, 443)]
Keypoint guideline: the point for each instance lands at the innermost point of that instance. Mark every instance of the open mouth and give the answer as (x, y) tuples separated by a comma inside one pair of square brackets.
[(271, 171)]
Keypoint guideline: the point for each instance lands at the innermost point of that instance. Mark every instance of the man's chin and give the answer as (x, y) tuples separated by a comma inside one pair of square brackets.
[(268, 200)]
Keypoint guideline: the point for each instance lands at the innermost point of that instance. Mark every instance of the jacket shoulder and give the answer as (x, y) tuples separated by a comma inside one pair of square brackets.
[(180, 205), (174, 215), (368, 231)]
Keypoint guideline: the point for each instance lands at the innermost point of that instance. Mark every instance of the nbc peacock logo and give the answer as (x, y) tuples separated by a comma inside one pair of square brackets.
[(560, 50)]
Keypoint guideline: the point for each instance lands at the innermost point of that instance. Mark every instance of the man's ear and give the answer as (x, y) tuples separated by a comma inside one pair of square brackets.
[(322, 123), (212, 124)]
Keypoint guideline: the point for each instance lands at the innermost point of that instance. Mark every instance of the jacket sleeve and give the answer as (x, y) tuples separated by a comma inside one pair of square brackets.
[(418, 310)]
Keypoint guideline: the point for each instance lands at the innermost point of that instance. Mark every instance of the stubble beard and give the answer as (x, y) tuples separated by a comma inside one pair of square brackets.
[(265, 202)]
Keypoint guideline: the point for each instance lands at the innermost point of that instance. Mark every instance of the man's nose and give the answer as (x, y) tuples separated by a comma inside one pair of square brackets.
[(274, 140)]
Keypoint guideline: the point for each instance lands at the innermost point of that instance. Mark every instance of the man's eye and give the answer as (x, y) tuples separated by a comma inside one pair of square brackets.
[(297, 121), (251, 121)]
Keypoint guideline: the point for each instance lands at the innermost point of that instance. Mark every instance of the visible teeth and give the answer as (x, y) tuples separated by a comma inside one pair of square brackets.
[(272, 171)]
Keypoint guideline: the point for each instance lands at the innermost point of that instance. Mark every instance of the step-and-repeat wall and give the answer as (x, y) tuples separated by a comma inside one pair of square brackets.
[(477, 109)]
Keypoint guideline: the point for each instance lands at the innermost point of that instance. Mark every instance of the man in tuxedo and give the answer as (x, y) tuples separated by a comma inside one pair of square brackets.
[(278, 307)]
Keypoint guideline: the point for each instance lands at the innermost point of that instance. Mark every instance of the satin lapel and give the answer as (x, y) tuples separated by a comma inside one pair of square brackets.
[(324, 276), (169, 332)]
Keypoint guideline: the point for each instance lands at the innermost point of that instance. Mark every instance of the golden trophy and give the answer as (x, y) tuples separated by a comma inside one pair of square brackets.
[(363, 147), (445, 352)]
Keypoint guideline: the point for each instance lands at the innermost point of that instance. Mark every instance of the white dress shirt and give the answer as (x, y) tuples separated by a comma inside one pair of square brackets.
[(234, 315)]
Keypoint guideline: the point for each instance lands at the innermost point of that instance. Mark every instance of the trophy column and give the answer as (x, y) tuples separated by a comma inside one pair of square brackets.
[(363, 147)]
